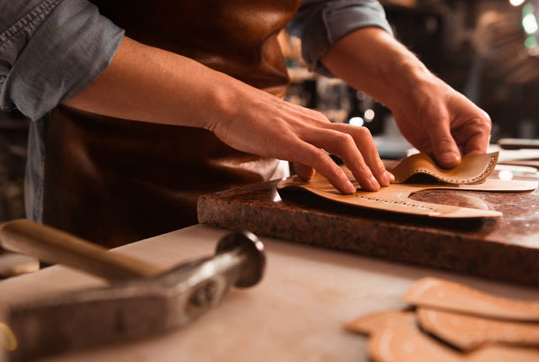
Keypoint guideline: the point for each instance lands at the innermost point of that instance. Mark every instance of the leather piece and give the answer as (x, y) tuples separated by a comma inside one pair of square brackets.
[(468, 332), (472, 169), (450, 296), (396, 197), (113, 181), (395, 337), (375, 322), (17, 264)]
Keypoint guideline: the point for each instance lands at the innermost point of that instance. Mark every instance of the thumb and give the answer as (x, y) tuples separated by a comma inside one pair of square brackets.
[(444, 147)]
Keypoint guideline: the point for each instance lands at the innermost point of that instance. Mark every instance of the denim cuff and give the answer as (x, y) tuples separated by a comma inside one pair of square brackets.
[(52, 52), (320, 24)]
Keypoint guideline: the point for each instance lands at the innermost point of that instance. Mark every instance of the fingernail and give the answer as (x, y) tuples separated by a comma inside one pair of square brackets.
[(450, 158), (350, 189), (384, 179), (374, 183), (390, 176)]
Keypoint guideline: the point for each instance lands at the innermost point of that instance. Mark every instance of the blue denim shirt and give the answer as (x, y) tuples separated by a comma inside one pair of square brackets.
[(50, 50)]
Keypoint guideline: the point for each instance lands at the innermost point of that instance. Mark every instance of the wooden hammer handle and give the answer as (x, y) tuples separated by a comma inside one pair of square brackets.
[(55, 246)]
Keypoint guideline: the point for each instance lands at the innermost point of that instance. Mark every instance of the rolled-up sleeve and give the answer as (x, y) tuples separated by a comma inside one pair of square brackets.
[(50, 50), (320, 23)]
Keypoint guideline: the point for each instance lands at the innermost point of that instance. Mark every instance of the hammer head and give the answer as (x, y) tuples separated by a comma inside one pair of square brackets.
[(253, 248)]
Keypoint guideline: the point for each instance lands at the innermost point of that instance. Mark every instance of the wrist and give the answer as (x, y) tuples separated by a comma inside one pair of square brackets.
[(412, 84)]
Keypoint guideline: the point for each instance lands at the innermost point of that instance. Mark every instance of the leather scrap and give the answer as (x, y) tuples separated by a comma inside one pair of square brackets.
[(472, 169), (449, 296), (16, 264), (375, 322), (403, 342), (432, 334), (396, 337), (468, 332)]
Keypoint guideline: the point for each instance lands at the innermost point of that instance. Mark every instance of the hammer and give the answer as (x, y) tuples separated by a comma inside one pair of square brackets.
[(143, 300)]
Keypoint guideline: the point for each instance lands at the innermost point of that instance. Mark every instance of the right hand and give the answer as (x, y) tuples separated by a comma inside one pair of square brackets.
[(268, 126), (148, 84)]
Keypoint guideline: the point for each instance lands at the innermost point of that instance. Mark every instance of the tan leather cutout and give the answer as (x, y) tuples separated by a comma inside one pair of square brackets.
[(395, 198), (373, 323), (395, 337), (450, 296), (472, 169), (468, 332), (499, 353)]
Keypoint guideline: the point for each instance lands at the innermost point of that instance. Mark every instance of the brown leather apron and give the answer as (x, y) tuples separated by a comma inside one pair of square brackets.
[(115, 181)]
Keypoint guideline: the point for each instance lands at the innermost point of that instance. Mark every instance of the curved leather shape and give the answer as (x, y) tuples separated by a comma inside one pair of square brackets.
[(446, 295), (467, 332), (472, 169), (114, 181), (396, 197), (396, 337)]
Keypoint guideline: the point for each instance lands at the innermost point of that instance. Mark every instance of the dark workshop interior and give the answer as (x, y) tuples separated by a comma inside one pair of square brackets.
[(486, 49), (190, 208)]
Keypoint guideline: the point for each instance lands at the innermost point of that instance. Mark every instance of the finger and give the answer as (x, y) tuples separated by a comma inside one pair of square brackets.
[(477, 144), (303, 171), (480, 137), (316, 158), (343, 145), (365, 143), (444, 146)]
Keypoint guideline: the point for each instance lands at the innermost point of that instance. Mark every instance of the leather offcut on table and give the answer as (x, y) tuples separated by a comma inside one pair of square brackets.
[(468, 332), (408, 335), (16, 264), (445, 295)]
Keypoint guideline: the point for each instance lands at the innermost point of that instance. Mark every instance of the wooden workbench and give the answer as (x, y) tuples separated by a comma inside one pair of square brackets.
[(295, 314)]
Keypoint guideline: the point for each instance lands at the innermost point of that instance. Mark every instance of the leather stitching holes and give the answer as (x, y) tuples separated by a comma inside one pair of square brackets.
[(491, 164), (403, 203)]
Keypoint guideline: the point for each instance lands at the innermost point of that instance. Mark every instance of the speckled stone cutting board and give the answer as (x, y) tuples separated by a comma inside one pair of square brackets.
[(504, 249)]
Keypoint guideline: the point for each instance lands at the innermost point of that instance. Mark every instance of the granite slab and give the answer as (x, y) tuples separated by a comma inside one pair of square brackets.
[(503, 249)]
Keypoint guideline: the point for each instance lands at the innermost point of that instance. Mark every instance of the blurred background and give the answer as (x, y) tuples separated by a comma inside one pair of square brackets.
[(487, 49)]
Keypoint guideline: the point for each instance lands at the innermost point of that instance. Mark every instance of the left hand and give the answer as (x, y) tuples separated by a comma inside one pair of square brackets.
[(443, 123), (431, 115)]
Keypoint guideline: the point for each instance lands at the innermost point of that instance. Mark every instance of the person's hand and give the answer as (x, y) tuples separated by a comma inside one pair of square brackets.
[(443, 123), (268, 126), (434, 118), (149, 84)]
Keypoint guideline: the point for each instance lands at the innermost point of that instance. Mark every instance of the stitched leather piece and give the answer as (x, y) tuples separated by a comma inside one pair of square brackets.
[(472, 169), (396, 197)]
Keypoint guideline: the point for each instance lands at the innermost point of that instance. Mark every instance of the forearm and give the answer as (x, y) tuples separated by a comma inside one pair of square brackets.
[(431, 115), (148, 84), (371, 60), (152, 85)]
